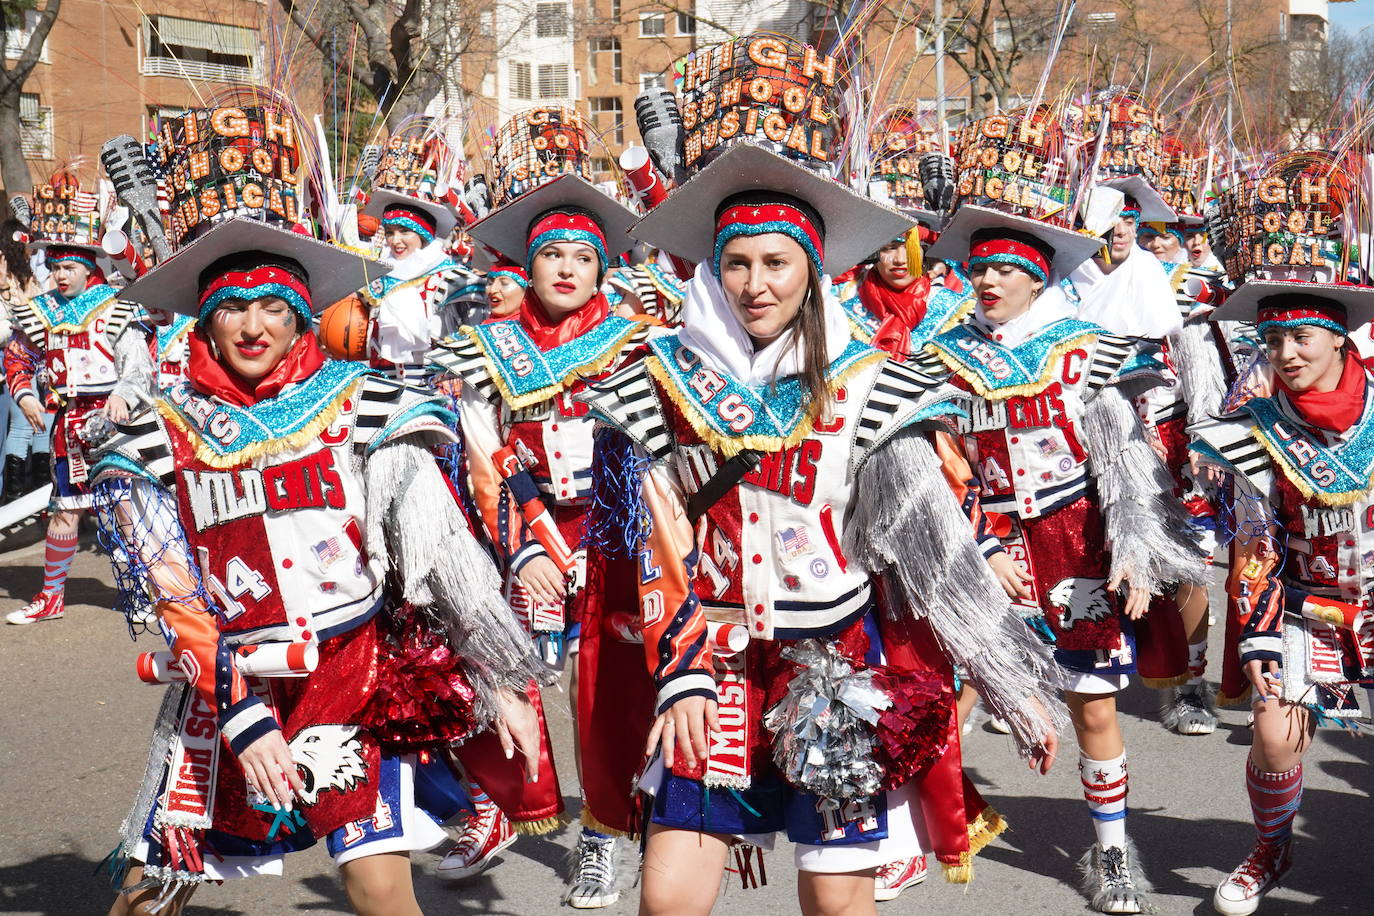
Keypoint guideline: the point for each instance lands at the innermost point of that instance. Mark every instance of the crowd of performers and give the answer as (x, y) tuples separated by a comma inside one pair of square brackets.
[(783, 476)]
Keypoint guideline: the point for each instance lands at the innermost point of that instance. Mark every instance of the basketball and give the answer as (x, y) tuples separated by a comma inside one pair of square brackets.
[(343, 329)]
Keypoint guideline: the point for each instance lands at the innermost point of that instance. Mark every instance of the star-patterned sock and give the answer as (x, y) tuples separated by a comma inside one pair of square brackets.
[(1104, 786)]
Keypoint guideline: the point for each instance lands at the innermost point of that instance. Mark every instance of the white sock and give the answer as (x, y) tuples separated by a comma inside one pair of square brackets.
[(1197, 663), (1104, 786)]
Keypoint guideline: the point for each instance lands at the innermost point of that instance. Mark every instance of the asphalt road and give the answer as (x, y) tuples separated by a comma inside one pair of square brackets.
[(74, 723)]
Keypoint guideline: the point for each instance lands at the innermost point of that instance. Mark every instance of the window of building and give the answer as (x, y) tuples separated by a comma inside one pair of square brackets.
[(603, 169), (954, 43), (652, 25), (521, 86), (35, 127), (609, 46), (955, 109), (686, 24), (190, 49), (615, 10), (17, 38), (551, 19), (608, 115), (553, 81), (652, 81)]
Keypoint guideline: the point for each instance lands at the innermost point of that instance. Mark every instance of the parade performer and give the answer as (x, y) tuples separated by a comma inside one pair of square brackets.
[(528, 448), (1301, 636), (506, 285), (898, 303), (750, 450), (1126, 291), (1061, 457), (172, 346), (332, 617), (89, 355), (412, 197)]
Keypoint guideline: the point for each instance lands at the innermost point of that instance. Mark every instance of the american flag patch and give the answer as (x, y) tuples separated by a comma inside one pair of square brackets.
[(328, 552), (794, 541)]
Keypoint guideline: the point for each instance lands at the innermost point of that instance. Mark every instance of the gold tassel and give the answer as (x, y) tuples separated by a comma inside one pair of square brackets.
[(590, 821), (915, 258), (985, 828), (961, 873), (541, 827), (1164, 683)]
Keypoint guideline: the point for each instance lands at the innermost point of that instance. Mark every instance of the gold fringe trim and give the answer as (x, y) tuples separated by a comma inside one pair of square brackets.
[(1239, 700), (987, 827), (958, 315), (299, 438), (1031, 388), (1163, 683), (1179, 275), (542, 826), (592, 367), (590, 821), (730, 446), (1297, 480)]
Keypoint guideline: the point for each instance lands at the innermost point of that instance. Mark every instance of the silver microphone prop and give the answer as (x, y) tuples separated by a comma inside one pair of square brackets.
[(368, 160), (19, 206), (136, 185), (660, 127)]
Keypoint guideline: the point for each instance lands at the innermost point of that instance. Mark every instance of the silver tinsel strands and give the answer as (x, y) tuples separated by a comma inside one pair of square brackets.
[(823, 729)]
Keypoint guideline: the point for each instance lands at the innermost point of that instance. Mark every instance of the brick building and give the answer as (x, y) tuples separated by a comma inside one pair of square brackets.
[(111, 66)]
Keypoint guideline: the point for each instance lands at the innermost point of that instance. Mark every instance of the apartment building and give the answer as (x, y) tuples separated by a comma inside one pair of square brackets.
[(112, 66)]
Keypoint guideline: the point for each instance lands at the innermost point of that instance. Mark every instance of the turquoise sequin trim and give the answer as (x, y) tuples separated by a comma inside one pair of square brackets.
[(168, 334), (423, 409), (1014, 260), (291, 297), (1011, 367), (566, 235), (226, 429), (773, 411), (791, 230), (1333, 326), (525, 369), (117, 462), (383, 285), (406, 222), (1339, 471), (509, 275), (56, 311)]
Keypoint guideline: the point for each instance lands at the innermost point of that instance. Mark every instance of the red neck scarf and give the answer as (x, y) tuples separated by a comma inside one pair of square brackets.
[(547, 333), (213, 377), (898, 311), (1336, 410)]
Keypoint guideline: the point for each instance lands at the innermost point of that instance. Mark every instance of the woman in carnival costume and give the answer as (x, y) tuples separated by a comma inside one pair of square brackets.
[(1127, 291), (80, 345), (322, 595), (407, 305), (527, 457), (757, 453), (25, 447), (1061, 455), (1300, 635), (506, 285), (898, 303)]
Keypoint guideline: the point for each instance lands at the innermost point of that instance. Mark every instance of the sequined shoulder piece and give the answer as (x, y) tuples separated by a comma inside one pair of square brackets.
[(140, 447), (628, 400)]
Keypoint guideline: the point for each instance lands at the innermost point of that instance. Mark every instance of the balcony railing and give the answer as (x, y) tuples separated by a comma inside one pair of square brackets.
[(197, 70)]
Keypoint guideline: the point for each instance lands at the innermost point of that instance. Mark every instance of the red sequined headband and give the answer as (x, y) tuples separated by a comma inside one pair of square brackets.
[(757, 219), (1010, 251), (564, 226)]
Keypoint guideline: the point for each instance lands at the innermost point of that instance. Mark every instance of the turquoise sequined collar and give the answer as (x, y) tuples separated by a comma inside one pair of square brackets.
[(72, 315), (227, 436), (1335, 475), (730, 416), (999, 372), (944, 308), (527, 375)]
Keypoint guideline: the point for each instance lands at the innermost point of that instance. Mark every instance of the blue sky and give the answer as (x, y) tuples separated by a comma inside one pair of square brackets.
[(1351, 16)]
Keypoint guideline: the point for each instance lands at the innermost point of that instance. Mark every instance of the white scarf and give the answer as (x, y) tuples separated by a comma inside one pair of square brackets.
[(1135, 300), (711, 329), (404, 324), (1045, 309)]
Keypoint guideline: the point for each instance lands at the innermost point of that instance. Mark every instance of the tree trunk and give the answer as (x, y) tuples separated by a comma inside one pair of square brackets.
[(14, 171)]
